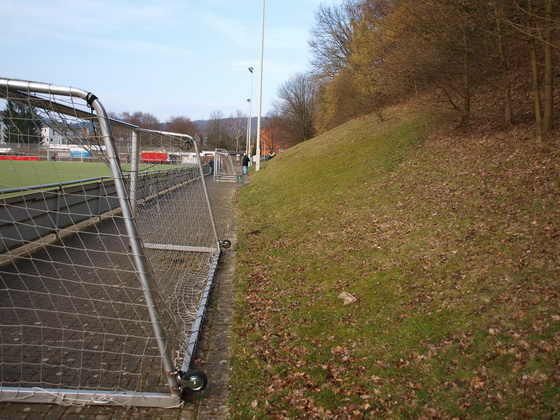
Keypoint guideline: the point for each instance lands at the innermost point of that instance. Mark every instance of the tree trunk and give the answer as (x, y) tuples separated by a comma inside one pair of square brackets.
[(506, 86), (548, 99), (536, 93), (535, 73), (466, 83)]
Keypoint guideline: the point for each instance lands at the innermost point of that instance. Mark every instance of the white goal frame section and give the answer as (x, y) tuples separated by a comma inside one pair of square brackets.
[(224, 169), (143, 252)]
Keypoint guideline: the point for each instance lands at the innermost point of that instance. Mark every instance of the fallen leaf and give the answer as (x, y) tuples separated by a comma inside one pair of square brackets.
[(347, 298)]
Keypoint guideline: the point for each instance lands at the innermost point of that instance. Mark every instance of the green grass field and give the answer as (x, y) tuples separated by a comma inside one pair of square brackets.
[(17, 174), (447, 243)]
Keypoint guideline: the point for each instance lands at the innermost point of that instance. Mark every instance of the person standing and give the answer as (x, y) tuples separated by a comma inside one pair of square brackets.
[(245, 163)]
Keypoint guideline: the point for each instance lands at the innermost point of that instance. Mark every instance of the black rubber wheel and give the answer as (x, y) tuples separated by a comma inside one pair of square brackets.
[(193, 380), (226, 243)]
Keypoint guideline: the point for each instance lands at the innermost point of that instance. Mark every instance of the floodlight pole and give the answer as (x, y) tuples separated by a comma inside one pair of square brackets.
[(250, 100), (248, 134), (258, 151)]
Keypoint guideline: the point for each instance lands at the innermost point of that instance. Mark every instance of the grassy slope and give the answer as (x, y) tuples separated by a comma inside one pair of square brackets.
[(449, 244)]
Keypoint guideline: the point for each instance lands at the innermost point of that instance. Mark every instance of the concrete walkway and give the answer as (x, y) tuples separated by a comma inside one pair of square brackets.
[(214, 348)]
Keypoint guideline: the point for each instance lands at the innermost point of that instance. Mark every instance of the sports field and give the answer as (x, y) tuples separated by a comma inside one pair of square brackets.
[(17, 174)]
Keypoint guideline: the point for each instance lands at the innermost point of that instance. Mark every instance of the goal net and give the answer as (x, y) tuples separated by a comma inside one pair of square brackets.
[(224, 168), (108, 250)]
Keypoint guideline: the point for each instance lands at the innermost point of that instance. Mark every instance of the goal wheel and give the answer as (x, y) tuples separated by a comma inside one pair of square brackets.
[(226, 243), (193, 380)]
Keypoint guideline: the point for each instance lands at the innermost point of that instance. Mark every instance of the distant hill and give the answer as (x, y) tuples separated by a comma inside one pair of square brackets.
[(202, 125)]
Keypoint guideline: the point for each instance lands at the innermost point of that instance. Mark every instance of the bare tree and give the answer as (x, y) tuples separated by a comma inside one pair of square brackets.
[(237, 125), (550, 21), (331, 36), (539, 20), (367, 53), (297, 106), (141, 119), (182, 125), (217, 130), (435, 45), (499, 35)]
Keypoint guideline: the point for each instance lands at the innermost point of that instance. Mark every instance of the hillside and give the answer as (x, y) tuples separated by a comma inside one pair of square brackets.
[(445, 246)]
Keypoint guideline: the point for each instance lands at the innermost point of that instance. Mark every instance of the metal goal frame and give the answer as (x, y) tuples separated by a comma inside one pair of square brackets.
[(179, 378)]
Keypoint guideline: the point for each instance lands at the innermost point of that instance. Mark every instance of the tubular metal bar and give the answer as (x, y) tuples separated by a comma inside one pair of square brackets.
[(27, 86), (197, 324), (87, 398), (227, 178), (134, 172), (63, 109), (217, 166), (186, 248)]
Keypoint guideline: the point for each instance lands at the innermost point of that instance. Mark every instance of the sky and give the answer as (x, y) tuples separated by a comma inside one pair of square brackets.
[(168, 58)]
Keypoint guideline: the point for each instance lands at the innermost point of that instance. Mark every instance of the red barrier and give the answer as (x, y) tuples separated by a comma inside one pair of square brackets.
[(154, 157), (19, 157)]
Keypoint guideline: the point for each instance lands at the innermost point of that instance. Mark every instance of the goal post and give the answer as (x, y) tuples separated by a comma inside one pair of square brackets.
[(108, 253), (224, 168)]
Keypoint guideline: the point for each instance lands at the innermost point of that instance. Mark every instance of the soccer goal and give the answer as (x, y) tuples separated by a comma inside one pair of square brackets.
[(224, 169), (108, 254)]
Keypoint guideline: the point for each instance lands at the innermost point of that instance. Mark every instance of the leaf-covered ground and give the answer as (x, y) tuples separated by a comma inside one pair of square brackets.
[(448, 243)]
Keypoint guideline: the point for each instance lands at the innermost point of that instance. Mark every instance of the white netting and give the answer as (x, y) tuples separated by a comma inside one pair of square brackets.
[(75, 312)]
